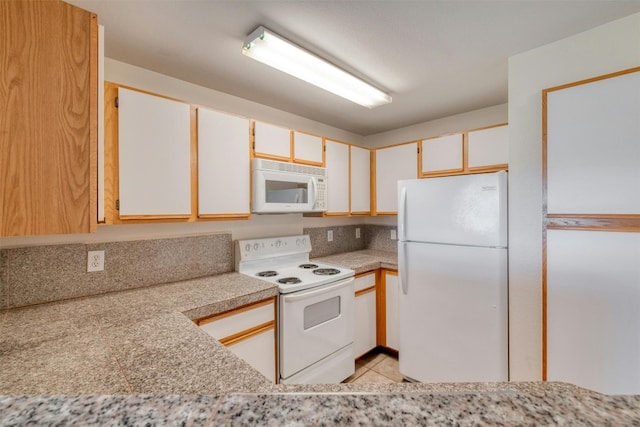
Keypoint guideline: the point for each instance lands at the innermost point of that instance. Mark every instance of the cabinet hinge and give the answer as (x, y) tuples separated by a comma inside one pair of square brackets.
[(118, 204), (117, 102), (418, 149)]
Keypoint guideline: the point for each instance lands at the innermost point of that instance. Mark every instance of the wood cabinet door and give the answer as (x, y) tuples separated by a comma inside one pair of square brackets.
[(365, 309), (48, 119), (307, 149), (337, 164), (360, 180), (154, 161), (272, 142), (442, 154), (393, 164), (392, 323), (489, 147), (223, 164)]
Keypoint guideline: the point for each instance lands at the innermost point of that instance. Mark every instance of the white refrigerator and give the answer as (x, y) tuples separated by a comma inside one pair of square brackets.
[(452, 256)]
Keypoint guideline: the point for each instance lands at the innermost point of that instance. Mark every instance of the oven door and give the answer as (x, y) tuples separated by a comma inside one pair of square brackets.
[(315, 323)]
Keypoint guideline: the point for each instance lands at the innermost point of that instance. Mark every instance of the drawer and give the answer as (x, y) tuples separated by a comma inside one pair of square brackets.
[(364, 281), (244, 318)]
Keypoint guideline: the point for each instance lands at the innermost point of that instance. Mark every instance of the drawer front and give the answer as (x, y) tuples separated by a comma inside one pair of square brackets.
[(365, 281), (240, 320)]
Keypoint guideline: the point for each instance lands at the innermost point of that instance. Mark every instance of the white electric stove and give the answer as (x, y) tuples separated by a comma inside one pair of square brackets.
[(315, 308)]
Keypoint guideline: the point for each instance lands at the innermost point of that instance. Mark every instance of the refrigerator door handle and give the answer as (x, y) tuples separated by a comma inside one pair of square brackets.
[(402, 268), (403, 214)]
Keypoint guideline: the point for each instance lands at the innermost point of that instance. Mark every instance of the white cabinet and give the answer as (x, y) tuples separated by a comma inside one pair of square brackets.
[(337, 164), (393, 164), (489, 147), (365, 329), (442, 154), (392, 324), (360, 180), (593, 310), (307, 148), (223, 152), (154, 146), (249, 332), (271, 141)]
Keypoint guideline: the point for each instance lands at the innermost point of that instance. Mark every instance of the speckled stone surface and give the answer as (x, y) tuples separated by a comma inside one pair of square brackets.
[(508, 408), (344, 239), (363, 261), (107, 410), (135, 341), (39, 274), (379, 238)]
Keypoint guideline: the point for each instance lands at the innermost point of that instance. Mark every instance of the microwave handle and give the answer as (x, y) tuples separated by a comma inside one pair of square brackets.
[(314, 195)]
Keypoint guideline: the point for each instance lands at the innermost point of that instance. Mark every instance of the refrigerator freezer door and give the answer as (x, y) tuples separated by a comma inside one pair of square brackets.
[(461, 210), (453, 313)]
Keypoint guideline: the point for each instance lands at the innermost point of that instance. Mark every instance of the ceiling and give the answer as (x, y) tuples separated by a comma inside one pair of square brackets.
[(435, 58)]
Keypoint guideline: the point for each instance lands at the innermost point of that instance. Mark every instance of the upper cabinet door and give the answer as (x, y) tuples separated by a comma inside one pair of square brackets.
[(154, 138), (442, 154), (337, 163), (489, 147), (393, 164), (360, 180), (307, 149), (272, 142), (223, 152), (48, 135)]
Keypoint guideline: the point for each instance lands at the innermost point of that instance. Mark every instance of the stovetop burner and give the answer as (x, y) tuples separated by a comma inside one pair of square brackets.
[(268, 273), (326, 271), (289, 281), (308, 266)]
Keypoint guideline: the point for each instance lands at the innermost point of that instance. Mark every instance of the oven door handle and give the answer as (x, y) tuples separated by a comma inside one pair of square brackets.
[(296, 296)]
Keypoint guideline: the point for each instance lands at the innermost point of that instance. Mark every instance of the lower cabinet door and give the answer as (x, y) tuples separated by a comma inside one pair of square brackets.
[(259, 351), (392, 322), (365, 332)]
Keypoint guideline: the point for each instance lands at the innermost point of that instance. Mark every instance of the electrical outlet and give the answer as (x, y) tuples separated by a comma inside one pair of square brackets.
[(393, 234), (95, 261), (357, 233), (330, 236)]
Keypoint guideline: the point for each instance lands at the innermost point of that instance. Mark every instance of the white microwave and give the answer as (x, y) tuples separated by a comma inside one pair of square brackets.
[(280, 187)]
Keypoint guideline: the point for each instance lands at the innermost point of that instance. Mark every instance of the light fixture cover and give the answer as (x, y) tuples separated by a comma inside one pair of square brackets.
[(277, 52)]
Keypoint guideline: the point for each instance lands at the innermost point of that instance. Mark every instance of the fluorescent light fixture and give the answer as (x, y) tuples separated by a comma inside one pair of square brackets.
[(271, 49)]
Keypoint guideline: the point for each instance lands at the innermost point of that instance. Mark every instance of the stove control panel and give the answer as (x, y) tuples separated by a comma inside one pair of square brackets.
[(269, 247)]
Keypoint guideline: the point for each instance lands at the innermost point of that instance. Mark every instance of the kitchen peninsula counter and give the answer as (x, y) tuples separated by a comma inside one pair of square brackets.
[(135, 357)]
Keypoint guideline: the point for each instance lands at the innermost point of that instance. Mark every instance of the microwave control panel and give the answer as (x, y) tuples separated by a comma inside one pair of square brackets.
[(322, 191)]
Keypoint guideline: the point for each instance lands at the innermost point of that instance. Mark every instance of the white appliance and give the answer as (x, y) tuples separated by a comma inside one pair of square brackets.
[(452, 256), (315, 308), (280, 187)]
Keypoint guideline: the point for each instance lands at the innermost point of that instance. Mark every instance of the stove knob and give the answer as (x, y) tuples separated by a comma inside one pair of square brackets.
[(256, 246), (278, 243), (297, 242), (304, 242), (247, 247)]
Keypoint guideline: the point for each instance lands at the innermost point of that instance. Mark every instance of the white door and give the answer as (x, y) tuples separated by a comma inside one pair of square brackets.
[(463, 209), (393, 164), (360, 180), (442, 154), (272, 141), (307, 148), (489, 147), (392, 316), (337, 164), (223, 153), (453, 313)]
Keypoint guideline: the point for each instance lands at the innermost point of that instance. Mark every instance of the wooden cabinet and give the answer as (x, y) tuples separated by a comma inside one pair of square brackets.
[(389, 290), (48, 104), (271, 142), (249, 332), (223, 152), (489, 148), (307, 149), (442, 154), (365, 300), (391, 165), (337, 164), (154, 156), (360, 180)]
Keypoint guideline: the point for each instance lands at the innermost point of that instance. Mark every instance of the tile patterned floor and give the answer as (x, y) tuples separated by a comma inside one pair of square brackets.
[(376, 368)]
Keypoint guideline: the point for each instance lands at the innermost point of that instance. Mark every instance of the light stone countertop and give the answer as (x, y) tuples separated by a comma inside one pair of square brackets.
[(135, 358)]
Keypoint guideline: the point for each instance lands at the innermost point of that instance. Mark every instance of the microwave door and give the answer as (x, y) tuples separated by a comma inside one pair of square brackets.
[(276, 192)]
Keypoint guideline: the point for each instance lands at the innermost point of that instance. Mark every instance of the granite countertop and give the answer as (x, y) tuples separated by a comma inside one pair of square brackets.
[(136, 358)]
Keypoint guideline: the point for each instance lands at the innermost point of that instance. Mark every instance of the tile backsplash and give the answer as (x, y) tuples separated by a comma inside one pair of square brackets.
[(39, 274), (376, 237)]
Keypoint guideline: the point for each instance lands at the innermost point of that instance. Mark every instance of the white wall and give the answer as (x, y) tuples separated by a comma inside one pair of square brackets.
[(605, 49), (458, 123)]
